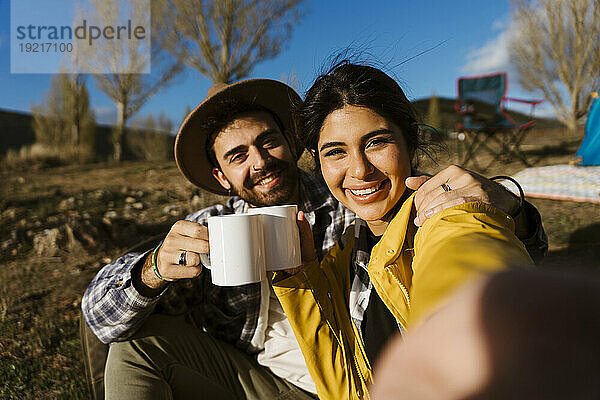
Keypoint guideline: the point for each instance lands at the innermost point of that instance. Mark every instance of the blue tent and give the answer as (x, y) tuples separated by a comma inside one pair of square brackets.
[(589, 150)]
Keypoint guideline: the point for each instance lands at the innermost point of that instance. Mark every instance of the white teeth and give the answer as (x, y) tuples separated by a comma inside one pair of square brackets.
[(364, 192), (265, 180)]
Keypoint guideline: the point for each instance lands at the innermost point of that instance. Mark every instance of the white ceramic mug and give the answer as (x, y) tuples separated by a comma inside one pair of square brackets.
[(237, 255), (282, 237)]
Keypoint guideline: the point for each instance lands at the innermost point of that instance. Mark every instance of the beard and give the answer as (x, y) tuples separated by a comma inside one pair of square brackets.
[(282, 193)]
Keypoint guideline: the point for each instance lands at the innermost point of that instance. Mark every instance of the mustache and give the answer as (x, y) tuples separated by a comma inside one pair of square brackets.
[(271, 167)]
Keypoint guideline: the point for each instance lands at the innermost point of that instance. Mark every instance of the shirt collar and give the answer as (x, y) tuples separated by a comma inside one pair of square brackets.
[(314, 194)]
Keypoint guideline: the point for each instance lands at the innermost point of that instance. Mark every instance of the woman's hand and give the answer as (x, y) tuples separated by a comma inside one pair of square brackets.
[(307, 244), (461, 186)]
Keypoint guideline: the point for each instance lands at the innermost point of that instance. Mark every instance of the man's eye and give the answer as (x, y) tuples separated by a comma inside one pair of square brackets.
[(237, 158)]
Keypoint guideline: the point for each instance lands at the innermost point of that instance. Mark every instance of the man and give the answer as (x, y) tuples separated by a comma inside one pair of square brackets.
[(235, 342)]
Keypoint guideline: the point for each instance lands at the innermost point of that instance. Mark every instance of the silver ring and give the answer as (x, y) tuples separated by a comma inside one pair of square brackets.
[(182, 260), (446, 187)]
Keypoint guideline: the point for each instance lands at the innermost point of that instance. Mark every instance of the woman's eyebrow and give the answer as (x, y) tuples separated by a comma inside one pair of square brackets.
[(331, 144), (376, 132)]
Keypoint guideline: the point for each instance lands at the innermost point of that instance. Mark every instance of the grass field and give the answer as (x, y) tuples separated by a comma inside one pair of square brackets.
[(60, 225)]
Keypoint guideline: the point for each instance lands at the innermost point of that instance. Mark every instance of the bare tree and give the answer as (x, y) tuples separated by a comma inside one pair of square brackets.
[(129, 90), (225, 39), (556, 49), (64, 120)]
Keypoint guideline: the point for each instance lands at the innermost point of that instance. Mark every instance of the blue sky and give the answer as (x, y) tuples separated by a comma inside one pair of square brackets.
[(470, 37)]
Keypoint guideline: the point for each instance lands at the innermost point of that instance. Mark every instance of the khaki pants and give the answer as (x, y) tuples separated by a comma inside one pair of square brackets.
[(169, 358)]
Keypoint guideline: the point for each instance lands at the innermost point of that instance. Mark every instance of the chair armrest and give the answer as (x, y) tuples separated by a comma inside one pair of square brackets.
[(463, 108), (532, 102)]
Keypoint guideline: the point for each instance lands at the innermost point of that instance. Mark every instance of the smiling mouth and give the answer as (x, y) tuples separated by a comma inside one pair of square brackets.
[(366, 191), (267, 179)]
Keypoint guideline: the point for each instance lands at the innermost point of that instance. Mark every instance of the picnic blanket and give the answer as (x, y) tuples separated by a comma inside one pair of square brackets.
[(561, 182)]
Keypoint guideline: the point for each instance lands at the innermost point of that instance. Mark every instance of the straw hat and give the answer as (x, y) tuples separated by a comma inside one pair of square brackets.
[(191, 154)]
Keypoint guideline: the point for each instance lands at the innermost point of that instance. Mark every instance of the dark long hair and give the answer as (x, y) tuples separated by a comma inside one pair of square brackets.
[(357, 85)]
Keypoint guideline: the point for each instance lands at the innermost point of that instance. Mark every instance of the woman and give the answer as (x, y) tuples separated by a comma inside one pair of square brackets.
[(363, 132)]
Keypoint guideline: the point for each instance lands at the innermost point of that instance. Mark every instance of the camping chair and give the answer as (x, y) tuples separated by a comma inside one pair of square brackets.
[(95, 352), (486, 126)]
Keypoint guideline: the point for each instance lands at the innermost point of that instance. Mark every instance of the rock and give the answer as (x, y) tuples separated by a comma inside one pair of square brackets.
[(6, 244), (159, 196), (10, 214), (67, 204), (46, 242), (196, 202), (84, 233), (173, 210), (72, 244), (138, 206), (111, 215), (130, 199), (100, 194)]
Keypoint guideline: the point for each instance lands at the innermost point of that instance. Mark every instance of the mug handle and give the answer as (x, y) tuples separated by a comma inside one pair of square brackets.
[(205, 260)]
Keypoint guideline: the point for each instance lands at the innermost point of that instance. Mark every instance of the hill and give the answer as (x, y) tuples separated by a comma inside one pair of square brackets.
[(16, 130), (450, 118)]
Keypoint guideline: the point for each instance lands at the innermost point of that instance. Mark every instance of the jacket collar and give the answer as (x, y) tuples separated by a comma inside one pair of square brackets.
[(393, 240), (389, 246)]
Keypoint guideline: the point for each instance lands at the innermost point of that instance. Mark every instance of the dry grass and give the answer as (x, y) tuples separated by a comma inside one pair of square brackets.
[(38, 156)]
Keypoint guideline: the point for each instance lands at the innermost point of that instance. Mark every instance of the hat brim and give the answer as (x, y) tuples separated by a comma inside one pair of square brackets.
[(190, 144)]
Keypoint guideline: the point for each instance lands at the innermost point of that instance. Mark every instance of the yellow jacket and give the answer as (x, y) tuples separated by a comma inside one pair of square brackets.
[(412, 273)]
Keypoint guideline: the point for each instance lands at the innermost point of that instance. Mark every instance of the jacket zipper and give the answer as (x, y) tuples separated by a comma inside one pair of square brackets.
[(362, 383), (404, 290)]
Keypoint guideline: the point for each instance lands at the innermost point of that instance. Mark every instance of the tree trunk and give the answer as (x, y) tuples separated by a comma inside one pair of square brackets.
[(119, 133), (571, 123)]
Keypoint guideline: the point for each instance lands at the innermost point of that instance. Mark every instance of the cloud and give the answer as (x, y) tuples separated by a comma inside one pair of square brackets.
[(499, 24), (492, 56), (106, 115)]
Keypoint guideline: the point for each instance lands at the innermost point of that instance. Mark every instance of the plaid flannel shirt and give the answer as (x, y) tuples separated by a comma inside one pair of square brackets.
[(114, 309)]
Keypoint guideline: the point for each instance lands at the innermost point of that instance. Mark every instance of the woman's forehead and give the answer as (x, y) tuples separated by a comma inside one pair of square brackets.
[(353, 122)]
